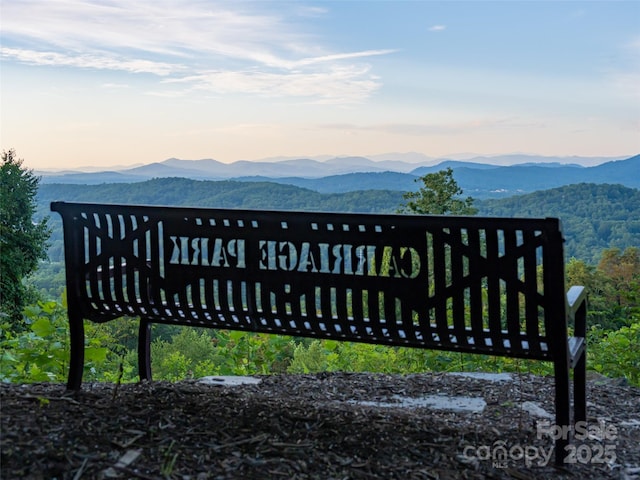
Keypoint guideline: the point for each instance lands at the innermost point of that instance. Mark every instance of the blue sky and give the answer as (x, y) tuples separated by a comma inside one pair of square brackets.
[(122, 82)]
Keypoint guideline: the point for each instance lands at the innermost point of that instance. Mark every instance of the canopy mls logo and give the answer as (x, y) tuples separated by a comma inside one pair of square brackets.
[(596, 445), (303, 257)]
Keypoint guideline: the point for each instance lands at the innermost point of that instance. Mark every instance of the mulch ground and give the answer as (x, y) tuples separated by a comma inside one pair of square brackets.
[(325, 426)]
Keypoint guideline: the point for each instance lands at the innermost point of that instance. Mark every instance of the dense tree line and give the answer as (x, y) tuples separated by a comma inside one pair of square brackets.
[(594, 216), (222, 194)]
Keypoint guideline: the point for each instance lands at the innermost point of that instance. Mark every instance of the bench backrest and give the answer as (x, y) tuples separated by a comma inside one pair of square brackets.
[(484, 285)]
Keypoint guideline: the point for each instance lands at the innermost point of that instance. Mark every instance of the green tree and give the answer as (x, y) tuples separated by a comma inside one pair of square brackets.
[(438, 195), (613, 287), (23, 242), (623, 270)]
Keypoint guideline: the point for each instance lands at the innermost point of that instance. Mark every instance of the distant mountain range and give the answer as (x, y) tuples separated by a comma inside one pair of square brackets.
[(476, 176)]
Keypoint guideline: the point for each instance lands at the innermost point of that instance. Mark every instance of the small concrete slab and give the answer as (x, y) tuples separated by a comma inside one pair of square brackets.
[(434, 402), (229, 380), (535, 410), (491, 377)]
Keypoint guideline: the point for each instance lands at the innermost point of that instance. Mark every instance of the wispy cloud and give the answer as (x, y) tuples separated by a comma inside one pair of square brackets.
[(87, 60), (437, 28), (220, 46), (328, 86), (341, 56)]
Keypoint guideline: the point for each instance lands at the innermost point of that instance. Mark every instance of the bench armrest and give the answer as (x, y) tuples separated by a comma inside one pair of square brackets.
[(577, 309)]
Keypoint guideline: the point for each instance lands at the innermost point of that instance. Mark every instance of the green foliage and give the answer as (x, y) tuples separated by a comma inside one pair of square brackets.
[(615, 353), (247, 352), (189, 354), (196, 352), (622, 270), (438, 196), (22, 241), (48, 280), (613, 287), (311, 358), (330, 356), (41, 352)]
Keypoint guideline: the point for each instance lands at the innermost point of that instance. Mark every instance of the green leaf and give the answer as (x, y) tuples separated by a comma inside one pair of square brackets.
[(42, 327), (48, 307), (330, 345), (32, 311), (95, 354), (236, 335), (7, 357)]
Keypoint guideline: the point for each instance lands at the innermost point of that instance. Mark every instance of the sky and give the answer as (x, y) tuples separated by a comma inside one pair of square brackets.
[(121, 82)]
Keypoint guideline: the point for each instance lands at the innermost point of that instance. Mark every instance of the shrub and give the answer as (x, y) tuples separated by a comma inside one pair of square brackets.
[(615, 353), (41, 352)]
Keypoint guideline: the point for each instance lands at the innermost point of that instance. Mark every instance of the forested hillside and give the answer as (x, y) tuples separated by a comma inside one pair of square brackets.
[(222, 194), (595, 217)]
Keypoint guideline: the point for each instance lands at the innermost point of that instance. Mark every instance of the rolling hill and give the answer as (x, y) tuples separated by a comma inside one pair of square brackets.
[(346, 174), (595, 216)]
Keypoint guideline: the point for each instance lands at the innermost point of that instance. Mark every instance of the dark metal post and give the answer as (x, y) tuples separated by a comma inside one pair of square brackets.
[(144, 350), (76, 340)]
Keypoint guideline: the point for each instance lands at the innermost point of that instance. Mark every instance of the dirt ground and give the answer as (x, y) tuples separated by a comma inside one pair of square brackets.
[(325, 426)]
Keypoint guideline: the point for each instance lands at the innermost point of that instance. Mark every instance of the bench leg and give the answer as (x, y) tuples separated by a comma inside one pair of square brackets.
[(76, 344), (144, 350), (563, 410), (580, 390)]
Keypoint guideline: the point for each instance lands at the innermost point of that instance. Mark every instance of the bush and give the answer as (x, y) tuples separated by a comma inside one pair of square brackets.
[(330, 355), (615, 353), (41, 352)]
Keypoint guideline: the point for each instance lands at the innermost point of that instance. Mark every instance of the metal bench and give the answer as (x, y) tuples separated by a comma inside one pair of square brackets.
[(491, 286)]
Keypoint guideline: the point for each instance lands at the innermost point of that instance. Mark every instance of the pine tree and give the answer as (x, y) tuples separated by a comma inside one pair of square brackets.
[(439, 195)]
